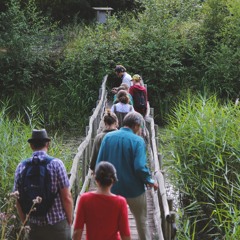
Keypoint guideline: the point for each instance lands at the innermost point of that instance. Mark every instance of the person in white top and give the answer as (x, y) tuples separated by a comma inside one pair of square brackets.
[(122, 108), (121, 73)]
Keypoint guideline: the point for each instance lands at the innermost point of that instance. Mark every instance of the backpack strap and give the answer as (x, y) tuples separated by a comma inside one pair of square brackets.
[(25, 161), (47, 160)]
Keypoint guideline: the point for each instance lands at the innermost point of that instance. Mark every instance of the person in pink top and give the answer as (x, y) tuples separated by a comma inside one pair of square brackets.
[(139, 95), (104, 214)]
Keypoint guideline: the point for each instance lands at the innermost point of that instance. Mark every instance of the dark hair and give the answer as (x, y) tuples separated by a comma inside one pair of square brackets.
[(122, 96), (120, 68), (110, 117), (132, 119), (105, 174), (37, 144)]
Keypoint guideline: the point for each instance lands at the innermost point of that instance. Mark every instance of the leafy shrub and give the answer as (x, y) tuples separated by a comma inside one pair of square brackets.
[(173, 44), (26, 54), (224, 71)]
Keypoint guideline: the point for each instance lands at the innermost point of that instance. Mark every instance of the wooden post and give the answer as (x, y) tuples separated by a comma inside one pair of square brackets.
[(174, 227), (156, 133), (156, 136), (152, 112), (169, 224), (160, 160), (86, 130), (100, 93), (85, 161), (163, 205), (83, 168), (95, 128)]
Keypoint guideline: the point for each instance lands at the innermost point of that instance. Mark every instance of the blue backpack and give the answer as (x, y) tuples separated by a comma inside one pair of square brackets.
[(34, 181)]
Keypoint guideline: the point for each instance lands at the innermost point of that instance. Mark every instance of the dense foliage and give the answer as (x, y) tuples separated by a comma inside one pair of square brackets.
[(173, 44), (68, 11), (203, 148), (51, 73), (31, 48)]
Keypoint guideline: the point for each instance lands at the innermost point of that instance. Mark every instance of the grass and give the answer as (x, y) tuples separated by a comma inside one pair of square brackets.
[(13, 149), (202, 143)]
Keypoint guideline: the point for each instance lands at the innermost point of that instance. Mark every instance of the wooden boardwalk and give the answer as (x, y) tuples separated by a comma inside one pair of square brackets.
[(161, 218)]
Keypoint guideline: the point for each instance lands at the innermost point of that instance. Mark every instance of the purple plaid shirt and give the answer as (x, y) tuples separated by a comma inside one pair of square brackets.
[(59, 180)]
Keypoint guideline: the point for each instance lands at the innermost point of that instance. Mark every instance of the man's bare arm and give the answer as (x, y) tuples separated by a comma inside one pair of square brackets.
[(67, 202)]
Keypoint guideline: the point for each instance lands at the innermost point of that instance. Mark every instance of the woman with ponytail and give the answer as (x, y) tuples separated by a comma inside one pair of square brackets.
[(104, 214), (111, 124)]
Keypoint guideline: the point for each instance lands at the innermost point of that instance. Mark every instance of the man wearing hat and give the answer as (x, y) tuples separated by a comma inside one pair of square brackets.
[(58, 219)]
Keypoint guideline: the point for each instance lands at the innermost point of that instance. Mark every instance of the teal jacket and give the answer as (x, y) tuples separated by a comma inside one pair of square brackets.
[(127, 152)]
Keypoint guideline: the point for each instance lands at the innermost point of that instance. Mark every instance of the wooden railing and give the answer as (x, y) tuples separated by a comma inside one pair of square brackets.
[(164, 215), (80, 177), (79, 173)]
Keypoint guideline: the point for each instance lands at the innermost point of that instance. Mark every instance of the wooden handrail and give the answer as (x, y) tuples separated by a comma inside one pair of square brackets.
[(168, 230), (85, 143)]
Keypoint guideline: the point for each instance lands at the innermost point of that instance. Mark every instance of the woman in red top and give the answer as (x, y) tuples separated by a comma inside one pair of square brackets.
[(105, 214)]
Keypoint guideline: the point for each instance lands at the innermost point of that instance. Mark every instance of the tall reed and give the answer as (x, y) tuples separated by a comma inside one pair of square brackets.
[(203, 145), (14, 148)]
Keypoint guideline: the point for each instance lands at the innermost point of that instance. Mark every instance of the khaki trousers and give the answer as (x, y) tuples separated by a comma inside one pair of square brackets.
[(58, 231)]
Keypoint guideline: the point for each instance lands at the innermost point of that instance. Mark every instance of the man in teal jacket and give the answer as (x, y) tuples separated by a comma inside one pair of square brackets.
[(127, 152)]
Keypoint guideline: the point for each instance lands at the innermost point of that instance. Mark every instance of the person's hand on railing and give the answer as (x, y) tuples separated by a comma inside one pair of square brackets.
[(153, 185)]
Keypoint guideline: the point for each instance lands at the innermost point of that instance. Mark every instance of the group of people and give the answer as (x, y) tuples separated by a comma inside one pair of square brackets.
[(119, 165), (126, 151), (131, 95)]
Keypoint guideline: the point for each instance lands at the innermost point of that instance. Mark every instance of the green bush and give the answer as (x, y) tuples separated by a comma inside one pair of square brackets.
[(26, 52), (29, 59), (173, 44), (203, 144)]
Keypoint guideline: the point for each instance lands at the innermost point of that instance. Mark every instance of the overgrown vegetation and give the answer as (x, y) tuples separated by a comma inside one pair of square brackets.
[(30, 65), (52, 73), (173, 44), (76, 10), (14, 147), (203, 148)]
